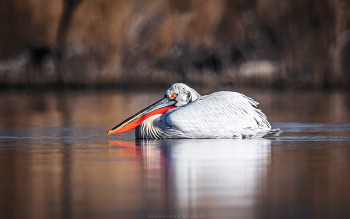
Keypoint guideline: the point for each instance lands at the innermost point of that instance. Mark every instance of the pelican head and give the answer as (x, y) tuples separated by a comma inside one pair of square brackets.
[(182, 94), (176, 96)]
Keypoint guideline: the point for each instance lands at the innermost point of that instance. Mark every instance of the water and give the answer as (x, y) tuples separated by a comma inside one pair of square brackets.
[(56, 160)]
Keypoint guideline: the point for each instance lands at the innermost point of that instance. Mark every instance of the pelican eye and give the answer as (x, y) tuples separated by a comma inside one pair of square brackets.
[(173, 96)]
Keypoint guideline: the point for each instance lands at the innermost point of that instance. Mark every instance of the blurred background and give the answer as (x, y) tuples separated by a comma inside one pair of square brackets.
[(280, 43)]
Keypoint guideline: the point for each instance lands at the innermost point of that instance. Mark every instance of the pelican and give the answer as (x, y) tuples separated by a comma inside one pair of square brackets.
[(184, 113)]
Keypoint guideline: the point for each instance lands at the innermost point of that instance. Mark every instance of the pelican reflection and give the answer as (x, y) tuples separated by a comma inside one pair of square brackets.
[(203, 176)]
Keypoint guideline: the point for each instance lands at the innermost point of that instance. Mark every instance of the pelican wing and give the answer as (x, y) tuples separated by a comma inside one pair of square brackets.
[(221, 114)]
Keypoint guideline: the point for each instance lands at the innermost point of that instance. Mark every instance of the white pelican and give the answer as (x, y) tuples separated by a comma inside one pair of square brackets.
[(183, 113)]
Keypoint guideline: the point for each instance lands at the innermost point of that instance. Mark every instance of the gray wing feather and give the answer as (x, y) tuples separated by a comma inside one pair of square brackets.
[(221, 114)]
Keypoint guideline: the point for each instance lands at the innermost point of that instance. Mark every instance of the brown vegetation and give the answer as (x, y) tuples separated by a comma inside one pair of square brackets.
[(265, 42)]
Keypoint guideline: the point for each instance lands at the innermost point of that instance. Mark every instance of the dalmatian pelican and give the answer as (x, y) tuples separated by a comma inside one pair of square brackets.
[(184, 113)]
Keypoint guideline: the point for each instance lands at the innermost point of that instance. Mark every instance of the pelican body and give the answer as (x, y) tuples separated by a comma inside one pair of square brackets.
[(184, 113)]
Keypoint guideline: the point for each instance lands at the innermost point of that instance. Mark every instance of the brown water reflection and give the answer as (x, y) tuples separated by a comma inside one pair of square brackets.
[(101, 108), (56, 160)]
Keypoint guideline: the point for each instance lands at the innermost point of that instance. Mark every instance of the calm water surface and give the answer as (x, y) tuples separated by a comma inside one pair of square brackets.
[(56, 160)]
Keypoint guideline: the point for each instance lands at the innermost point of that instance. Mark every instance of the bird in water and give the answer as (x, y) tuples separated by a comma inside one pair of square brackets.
[(184, 113)]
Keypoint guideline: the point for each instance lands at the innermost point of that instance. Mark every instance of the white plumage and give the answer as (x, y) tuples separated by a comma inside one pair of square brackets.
[(221, 114)]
